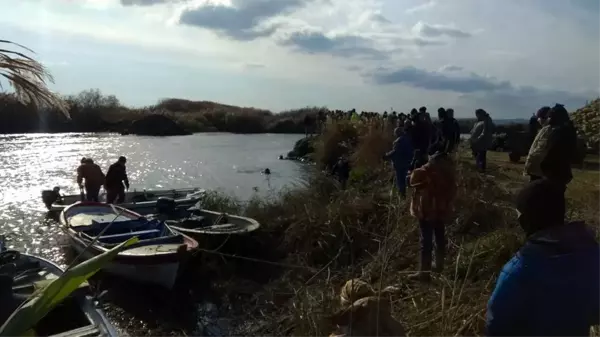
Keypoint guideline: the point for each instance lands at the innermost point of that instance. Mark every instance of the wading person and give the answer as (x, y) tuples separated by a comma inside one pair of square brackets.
[(481, 138), (551, 286), (401, 156), (90, 178), (434, 190), (116, 181)]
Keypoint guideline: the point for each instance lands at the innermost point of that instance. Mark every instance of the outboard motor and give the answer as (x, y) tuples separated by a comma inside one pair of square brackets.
[(165, 205), (50, 196)]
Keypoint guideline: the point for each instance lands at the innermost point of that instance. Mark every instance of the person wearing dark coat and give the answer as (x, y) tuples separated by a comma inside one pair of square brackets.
[(341, 170), (551, 285), (421, 137), (401, 156), (455, 128), (562, 146), (116, 181)]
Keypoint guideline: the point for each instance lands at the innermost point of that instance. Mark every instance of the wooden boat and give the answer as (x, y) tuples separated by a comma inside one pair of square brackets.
[(77, 315), (195, 221), (155, 259), (140, 201)]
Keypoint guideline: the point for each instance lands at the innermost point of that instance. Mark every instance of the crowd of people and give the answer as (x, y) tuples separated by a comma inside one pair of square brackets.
[(551, 285), (91, 179)]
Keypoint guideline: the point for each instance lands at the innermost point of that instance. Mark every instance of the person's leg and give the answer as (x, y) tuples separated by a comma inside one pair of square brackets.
[(479, 161), (484, 160), (440, 245), (121, 195), (93, 193), (401, 181), (426, 250), (111, 195)]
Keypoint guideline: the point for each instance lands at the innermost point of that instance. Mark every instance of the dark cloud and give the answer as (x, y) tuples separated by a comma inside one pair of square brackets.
[(451, 67), (428, 30), (424, 79), (243, 21), (342, 46), (505, 98)]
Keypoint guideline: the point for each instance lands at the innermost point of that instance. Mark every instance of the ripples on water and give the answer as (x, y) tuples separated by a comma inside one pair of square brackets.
[(32, 162)]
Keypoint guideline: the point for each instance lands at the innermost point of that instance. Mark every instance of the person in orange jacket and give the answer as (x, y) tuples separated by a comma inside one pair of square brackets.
[(434, 190)]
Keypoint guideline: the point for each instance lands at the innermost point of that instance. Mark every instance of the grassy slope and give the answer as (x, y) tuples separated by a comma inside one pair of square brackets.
[(323, 237)]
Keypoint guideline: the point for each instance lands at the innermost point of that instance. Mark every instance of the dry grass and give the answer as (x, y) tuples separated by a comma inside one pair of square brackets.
[(322, 237)]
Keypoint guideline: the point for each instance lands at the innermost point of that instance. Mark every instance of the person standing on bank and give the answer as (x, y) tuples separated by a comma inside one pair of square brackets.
[(481, 138), (434, 191), (116, 181)]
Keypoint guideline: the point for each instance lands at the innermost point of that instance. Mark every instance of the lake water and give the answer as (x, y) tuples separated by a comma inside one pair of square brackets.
[(30, 163)]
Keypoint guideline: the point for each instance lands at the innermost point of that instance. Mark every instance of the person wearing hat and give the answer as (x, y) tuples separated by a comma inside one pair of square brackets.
[(434, 190), (116, 181), (551, 285)]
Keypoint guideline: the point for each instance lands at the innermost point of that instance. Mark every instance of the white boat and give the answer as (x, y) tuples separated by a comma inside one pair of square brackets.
[(156, 258), (77, 315), (197, 222), (134, 200)]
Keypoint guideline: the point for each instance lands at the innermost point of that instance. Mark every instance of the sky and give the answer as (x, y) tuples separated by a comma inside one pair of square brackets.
[(509, 57)]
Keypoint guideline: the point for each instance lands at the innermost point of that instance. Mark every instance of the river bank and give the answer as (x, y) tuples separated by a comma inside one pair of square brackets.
[(285, 279)]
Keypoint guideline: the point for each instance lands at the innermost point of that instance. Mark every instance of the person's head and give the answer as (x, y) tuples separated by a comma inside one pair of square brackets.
[(413, 112), (450, 113), (398, 132), (423, 109), (83, 160), (122, 160), (56, 189), (542, 115), (89, 161), (480, 114), (558, 115), (442, 113), (541, 205)]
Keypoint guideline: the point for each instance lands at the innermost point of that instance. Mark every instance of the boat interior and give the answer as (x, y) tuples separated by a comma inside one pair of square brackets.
[(18, 278), (147, 231)]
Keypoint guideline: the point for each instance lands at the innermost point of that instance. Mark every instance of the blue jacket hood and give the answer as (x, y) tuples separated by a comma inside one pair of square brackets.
[(551, 287)]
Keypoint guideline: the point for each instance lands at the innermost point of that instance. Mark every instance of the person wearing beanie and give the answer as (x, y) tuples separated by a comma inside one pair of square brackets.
[(539, 146), (91, 178), (434, 190), (551, 287), (116, 181)]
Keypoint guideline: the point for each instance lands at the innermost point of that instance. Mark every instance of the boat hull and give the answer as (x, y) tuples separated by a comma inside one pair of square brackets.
[(151, 261)]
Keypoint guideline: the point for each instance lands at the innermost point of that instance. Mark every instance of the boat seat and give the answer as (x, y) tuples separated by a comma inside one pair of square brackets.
[(145, 234)]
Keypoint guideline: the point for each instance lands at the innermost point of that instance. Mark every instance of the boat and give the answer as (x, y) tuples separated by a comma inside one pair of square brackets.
[(155, 259), (78, 315), (196, 221), (139, 201)]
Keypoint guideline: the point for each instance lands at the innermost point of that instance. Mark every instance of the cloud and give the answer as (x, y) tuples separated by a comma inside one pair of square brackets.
[(474, 89), (244, 20), (254, 66), (143, 2), (340, 45), (427, 30), (450, 68), (422, 7), (424, 79)]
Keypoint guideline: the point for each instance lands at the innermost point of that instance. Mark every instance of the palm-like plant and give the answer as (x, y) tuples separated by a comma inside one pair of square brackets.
[(28, 77)]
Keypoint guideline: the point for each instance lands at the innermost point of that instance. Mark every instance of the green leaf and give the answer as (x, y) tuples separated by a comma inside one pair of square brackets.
[(42, 302)]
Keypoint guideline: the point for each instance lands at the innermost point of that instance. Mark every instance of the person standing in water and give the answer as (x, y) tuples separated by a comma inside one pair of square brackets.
[(116, 181), (90, 177)]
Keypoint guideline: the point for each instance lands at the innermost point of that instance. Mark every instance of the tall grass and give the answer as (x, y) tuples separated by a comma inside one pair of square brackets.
[(323, 236)]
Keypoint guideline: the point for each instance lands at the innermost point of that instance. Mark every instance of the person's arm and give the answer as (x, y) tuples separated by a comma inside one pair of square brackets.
[(393, 152), (125, 179), (79, 177), (506, 309), (418, 178)]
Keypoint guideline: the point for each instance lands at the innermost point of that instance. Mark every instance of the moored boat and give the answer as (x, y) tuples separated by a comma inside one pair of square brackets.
[(78, 315), (196, 221), (139, 201), (157, 256)]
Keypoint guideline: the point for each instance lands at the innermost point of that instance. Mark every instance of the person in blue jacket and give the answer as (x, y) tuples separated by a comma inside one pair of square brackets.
[(401, 156), (551, 286)]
